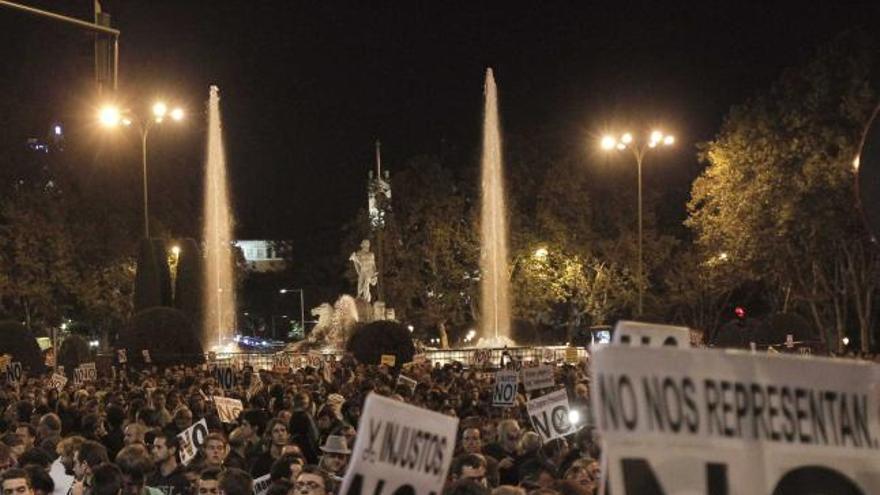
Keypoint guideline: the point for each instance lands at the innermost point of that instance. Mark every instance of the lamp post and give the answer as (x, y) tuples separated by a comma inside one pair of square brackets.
[(302, 307), (639, 150), (112, 116)]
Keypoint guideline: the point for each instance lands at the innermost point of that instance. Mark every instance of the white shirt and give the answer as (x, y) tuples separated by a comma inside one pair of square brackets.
[(62, 480)]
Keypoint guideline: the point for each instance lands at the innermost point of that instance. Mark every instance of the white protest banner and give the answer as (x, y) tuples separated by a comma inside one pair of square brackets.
[(262, 484), (407, 382), (635, 333), (228, 409), (712, 422), (403, 449), (225, 376), (549, 415), (505, 388), (13, 373), (57, 381), (192, 440), (121, 356), (538, 377)]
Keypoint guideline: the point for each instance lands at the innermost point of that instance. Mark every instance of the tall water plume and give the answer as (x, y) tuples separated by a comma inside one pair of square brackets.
[(495, 307), (219, 293)]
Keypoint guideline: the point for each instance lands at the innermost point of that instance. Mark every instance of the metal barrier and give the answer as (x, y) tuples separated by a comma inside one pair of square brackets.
[(467, 357)]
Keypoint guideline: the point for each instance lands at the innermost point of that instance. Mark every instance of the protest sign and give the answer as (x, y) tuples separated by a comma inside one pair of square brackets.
[(146, 354), (5, 359), (710, 422), (407, 382), (403, 449), (549, 415), (86, 372), (225, 376), (634, 333), (571, 355), (537, 377), (262, 484), (192, 440), (121, 356), (281, 362), (57, 381), (315, 359), (228, 409), (13, 373), (388, 360), (505, 388), (482, 357)]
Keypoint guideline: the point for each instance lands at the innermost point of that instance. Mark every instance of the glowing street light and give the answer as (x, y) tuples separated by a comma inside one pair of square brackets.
[(540, 253), (639, 149), (111, 116)]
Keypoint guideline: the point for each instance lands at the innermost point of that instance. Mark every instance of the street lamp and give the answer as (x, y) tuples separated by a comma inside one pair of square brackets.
[(111, 116), (302, 306), (639, 150)]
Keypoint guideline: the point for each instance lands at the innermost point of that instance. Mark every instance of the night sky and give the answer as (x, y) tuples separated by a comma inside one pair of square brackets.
[(307, 87)]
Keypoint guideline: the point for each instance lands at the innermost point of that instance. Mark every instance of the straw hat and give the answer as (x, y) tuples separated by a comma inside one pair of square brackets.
[(336, 444)]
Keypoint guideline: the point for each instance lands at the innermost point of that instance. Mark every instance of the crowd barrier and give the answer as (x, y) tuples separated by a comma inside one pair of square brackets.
[(467, 357)]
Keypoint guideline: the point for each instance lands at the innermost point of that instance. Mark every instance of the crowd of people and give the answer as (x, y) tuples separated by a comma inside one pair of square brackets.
[(294, 435)]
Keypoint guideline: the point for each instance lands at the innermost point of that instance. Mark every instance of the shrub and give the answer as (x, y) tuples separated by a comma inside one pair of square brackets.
[(188, 283), (167, 333), (73, 352), (16, 341), (370, 341), (148, 283)]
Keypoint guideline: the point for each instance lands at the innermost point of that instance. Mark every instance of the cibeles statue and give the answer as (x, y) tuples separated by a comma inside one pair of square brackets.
[(365, 265)]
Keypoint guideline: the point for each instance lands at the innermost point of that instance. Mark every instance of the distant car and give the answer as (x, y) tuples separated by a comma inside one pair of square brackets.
[(258, 344)]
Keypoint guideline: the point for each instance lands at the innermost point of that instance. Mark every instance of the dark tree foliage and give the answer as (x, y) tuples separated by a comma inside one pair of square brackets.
[(160, 251), (19, 343), (370, 341), (188, 284), (147, 286), (74, 351), (167, 333)]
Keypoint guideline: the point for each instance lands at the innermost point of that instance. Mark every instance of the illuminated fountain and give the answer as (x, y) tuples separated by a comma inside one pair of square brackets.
[(494, 282), (219, 282)]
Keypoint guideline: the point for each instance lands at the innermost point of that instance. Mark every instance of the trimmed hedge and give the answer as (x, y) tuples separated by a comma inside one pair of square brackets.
[(19, 343), (370, 341)]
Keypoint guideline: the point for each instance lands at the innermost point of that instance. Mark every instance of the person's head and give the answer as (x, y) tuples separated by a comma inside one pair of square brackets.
[(89, 456), (277, 431), (183, 418), (49, 426), (134, 433), (36, 456), (27, 433), (508, 435), (234, 481), (286, 467), (537, 474), (580, 475), (530, 443), (164, 447), (470, 467), (14, 442), (135, 463), (312, 480), (581, 391), (107, 480), (209, 483), (41, 482), (7, 460), (302, 401), (466, 487), (508, 490), (66, 449), (253, 423), (215, 450), (336, 454), (348, 431), (94, 424), (471, 441), (16, 481)]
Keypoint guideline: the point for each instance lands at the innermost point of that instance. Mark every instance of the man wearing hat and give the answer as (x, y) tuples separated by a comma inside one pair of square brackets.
[(336, 454)]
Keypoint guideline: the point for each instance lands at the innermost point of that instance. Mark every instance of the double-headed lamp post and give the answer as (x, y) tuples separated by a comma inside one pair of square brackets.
[(639, 149), (112, 116)]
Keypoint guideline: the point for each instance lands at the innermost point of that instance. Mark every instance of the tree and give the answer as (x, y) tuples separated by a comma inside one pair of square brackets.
[(777, 196)]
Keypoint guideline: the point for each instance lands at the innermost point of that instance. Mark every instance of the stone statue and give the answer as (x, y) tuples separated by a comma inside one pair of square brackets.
[(365, 265)]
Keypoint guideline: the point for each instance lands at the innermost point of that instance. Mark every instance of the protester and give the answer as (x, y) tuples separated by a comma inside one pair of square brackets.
[(168, 475)]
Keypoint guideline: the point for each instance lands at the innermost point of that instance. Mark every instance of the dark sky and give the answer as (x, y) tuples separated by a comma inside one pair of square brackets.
[(308, 86)]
